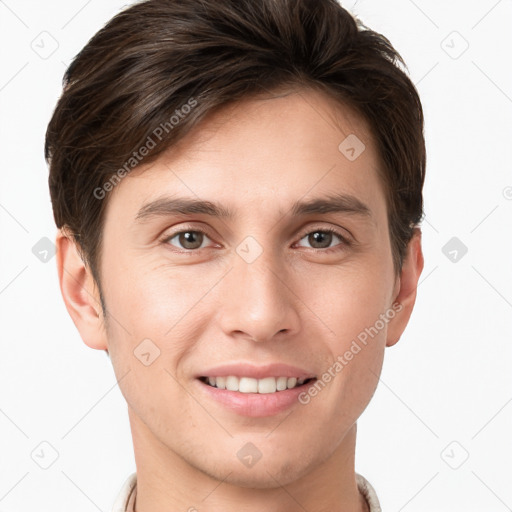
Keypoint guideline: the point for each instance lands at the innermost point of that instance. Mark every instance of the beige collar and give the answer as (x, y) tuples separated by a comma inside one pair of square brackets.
[(126, 498)]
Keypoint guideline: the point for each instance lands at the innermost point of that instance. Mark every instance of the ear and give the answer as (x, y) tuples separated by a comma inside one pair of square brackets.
[(80, 292), (405, 289)]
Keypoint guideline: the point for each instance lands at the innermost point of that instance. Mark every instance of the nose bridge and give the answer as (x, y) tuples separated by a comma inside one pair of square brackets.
[(257, 302)]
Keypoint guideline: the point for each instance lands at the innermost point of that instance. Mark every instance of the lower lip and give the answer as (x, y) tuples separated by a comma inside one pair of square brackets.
[(255, 405)]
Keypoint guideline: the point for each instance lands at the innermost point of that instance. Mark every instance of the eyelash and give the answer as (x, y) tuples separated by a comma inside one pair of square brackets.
[(344, 242)]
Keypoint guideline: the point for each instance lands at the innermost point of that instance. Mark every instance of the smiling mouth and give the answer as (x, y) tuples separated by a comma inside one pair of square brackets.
[(250, 385)]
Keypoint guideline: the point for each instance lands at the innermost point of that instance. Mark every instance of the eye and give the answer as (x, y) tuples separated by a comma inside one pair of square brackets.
[(193, 239), (190, 239), (324, 237)]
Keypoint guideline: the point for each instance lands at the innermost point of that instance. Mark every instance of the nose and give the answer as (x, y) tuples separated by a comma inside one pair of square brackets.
[(259, 302)]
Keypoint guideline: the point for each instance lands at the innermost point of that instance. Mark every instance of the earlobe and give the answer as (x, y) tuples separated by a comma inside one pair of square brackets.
[(407, 287), (80, 293)]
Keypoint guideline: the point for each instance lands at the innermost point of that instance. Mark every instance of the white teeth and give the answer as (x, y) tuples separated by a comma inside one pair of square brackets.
[(232, 383), (250, 385), (281, 383), (247, 385), (267, 385)]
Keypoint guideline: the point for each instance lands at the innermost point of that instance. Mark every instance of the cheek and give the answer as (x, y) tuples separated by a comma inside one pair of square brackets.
[(354, 301), (150, 300), (157, 310), (147, 341), (356, 310)]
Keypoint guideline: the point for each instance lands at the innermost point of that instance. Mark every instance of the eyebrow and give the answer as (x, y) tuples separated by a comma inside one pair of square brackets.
[(333, 203)]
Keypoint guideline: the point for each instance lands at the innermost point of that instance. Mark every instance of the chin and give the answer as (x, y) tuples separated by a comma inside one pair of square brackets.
[(264, 477)]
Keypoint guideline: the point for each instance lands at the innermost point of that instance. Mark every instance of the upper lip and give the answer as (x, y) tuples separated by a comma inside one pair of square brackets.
[(257, 372)]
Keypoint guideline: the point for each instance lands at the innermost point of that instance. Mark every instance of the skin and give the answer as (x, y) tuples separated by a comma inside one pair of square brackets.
[(296, 303)]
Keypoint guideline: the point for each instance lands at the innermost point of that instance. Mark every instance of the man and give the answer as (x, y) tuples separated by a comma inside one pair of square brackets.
[(238, 191)]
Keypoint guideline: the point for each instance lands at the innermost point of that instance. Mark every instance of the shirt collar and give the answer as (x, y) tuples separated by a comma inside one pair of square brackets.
[(126, 499)]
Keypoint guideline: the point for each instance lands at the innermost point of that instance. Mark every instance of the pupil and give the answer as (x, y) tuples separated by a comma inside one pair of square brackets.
[(187, 239), (319, 235)]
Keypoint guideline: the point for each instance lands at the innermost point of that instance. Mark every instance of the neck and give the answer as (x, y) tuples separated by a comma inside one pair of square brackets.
[(166, 482)]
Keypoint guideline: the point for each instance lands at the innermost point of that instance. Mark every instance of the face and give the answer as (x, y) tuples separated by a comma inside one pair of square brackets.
[(275, 289)]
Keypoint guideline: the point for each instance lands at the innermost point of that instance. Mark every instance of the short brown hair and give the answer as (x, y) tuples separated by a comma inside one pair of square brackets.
[(157, 56)]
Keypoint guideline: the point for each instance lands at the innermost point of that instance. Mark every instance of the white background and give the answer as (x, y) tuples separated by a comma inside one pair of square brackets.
[(446, 387)]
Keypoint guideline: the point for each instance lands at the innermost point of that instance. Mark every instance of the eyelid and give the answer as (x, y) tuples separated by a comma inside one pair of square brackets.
[(344, 234)]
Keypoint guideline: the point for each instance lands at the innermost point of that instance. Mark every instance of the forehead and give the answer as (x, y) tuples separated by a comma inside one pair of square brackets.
[(263, 150)]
